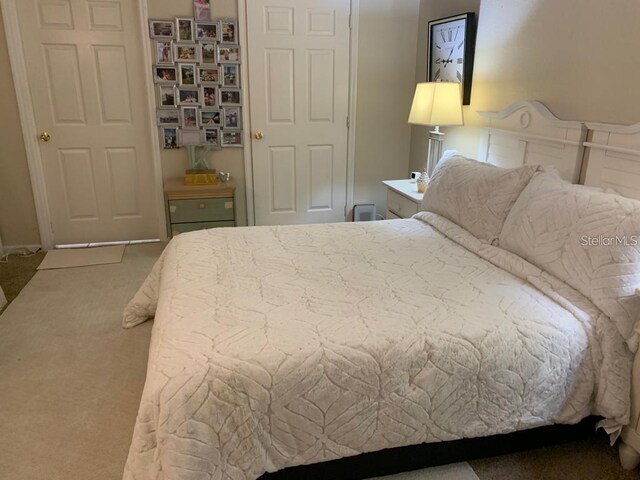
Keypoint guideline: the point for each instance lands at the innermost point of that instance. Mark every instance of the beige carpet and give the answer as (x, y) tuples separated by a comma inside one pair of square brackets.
[(79, 257), (71, 378)]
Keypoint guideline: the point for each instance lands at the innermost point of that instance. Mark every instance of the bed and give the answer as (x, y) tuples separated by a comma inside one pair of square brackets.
[(281, 346), (613, 161)]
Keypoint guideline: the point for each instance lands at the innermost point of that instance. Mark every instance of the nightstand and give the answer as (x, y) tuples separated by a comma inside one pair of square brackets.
[(197, 207), (403, 199)]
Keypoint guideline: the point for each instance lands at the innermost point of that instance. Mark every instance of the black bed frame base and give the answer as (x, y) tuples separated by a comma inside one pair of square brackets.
[(414, 457)]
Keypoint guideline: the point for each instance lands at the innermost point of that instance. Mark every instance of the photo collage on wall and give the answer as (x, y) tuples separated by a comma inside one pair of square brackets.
[(196, 70)]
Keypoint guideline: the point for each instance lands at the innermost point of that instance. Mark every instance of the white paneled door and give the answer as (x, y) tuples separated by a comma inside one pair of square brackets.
[(299, 90), (86, 68)]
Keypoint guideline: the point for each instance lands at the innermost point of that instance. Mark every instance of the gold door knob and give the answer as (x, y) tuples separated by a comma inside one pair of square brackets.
[(45, 137), (258, 135)]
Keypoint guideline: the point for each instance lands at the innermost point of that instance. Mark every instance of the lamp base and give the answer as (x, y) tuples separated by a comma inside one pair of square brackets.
[(434, 152)]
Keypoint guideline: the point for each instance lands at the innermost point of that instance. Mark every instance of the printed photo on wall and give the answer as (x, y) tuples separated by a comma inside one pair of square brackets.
[(161, 29), (190, 117), (231, 139), (169, 138), (209, 96), (164, 55), (208, 75), (168, 118), (189, 96), (187, 52), (232, 119), (231, 76), (229, 96), (187, 73), (211, 136), (185, 29), (229, 30), (166, 96), (164, 74), (209, 54), (228, 54), (202, 10), (207, 31), (210, 118)]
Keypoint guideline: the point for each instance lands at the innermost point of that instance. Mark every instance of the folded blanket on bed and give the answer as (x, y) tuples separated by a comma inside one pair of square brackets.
[(281, 346)]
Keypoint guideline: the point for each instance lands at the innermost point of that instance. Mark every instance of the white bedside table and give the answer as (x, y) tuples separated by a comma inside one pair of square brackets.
[(403, 199)]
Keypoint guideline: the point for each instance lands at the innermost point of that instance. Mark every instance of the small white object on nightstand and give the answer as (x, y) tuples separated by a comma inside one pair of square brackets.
[(403, 199)]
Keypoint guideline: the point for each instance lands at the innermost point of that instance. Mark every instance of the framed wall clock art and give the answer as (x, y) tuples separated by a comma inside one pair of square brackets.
[(451, 46)]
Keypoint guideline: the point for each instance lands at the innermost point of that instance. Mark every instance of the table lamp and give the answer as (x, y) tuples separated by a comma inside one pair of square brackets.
[(436, 104)]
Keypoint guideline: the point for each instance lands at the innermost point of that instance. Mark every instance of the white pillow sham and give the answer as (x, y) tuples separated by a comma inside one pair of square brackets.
[(476, 196), (587, 238)]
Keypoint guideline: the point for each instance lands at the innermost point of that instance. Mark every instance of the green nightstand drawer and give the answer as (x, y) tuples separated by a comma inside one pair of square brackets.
[(201, 210), (177, 228)]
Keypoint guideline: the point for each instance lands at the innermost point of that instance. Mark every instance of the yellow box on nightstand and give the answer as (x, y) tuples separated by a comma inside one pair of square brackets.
[(200, 177)]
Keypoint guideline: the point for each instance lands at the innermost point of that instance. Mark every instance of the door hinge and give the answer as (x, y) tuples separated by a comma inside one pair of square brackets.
[(348, 123), (345, 210), (349, 21)]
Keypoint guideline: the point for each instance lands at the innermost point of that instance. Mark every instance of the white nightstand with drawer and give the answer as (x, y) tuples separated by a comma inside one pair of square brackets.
[(403, 199)]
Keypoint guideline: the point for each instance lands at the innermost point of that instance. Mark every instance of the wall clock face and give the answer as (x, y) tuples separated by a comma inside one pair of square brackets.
[(451, 48), (447, 54)]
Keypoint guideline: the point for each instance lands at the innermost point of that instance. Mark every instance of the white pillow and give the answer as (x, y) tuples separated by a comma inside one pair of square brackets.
[(475, 195), (589, 239)]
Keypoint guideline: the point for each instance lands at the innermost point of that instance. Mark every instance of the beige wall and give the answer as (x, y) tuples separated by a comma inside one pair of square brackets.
[(18, 223), (578, 58), (386, 71)]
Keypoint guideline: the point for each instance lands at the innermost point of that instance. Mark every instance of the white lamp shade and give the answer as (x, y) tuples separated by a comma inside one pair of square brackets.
[(437, 103)]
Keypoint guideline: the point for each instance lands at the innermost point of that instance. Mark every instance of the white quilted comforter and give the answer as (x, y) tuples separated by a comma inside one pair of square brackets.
[(281, 346)]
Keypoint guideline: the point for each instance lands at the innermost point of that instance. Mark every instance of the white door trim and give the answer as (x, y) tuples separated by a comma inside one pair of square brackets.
[(351, 134), (143, 15), (30, 132), (244, 84), (353, 103), (27, 120)]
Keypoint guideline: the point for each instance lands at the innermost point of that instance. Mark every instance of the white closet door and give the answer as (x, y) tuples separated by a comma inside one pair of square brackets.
[(299, 90), (86, 69)]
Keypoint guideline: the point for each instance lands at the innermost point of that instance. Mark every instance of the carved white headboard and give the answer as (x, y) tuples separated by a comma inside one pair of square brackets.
[(527, 132), (613, 158)]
